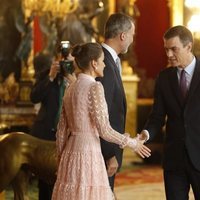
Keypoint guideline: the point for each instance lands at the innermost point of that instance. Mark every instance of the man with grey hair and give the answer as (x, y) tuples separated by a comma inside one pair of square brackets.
[(176, 105), (119, 32)]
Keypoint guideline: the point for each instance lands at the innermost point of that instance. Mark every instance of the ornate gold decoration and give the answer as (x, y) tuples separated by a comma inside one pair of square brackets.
[(176, 7), (9, 90), (130, 83), (193, 16), (133, 10), (55, 7)]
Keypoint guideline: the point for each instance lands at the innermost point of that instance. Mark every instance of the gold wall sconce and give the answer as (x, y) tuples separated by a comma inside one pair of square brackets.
[(191, 20), (187, 12)]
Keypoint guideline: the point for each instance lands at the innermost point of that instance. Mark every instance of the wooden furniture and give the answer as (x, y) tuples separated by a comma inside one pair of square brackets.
[(13, 118)]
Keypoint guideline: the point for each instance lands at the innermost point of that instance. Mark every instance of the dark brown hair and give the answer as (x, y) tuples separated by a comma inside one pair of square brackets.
[(84, 53), (182, 32)]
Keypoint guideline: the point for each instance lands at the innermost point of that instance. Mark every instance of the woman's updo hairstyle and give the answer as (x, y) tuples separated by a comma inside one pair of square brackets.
[(85, 53)]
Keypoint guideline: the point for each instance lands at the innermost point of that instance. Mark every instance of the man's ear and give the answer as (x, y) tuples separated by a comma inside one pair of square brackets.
[(122, 36), (189, 46)]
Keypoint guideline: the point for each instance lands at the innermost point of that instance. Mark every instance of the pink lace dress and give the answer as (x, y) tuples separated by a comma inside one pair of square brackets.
[(81, 172)]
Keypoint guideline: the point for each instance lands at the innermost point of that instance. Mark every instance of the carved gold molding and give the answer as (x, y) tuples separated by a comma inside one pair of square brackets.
[(130, 83), (176, 11), (111, 6)]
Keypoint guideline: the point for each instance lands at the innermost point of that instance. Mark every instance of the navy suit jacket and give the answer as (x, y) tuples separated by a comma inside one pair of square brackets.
[(116, 101), (182, 118)]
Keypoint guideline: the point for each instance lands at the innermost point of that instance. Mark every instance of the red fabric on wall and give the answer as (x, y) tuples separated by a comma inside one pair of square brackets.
[(153, 21), (38, 38)]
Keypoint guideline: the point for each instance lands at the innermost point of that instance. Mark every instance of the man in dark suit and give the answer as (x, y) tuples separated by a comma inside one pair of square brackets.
[(119, 32), (47, 91), (177, 105)]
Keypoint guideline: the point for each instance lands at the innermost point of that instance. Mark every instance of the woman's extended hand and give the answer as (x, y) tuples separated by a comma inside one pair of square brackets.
[(141, 149), (138, 146)]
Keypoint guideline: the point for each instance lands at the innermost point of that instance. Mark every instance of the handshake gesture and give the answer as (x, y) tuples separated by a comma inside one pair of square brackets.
[(137, 144)]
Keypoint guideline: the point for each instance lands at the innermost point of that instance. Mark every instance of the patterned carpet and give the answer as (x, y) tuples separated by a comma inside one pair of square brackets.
[(140, 182), (145, 183)]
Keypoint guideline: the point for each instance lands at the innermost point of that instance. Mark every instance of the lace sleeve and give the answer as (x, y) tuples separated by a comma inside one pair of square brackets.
[(62, 132), (99, 112)]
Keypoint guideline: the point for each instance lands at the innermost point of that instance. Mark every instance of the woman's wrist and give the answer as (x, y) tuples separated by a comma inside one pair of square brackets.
[(132, 143)]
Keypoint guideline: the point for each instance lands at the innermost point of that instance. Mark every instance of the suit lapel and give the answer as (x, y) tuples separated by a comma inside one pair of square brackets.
[(195, 80), (194, 83), (121, 84), (114, 67)]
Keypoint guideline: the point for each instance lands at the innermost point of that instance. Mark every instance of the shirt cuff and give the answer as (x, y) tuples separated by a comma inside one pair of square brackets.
[(147, 134)]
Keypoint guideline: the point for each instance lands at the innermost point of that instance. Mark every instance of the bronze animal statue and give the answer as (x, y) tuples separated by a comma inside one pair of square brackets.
[(23, 155)]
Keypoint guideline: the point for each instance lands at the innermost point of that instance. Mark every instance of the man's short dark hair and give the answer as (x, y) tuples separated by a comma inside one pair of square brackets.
[(182, 32), (42, 62)]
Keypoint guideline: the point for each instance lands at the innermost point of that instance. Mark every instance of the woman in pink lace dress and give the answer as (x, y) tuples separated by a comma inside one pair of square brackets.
[(81, 172)]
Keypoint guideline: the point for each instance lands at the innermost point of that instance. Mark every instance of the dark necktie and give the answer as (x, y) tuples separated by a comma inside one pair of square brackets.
[(183, 83)]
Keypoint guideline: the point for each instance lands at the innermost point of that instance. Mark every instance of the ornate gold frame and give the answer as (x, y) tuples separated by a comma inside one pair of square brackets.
[(176, 12)]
